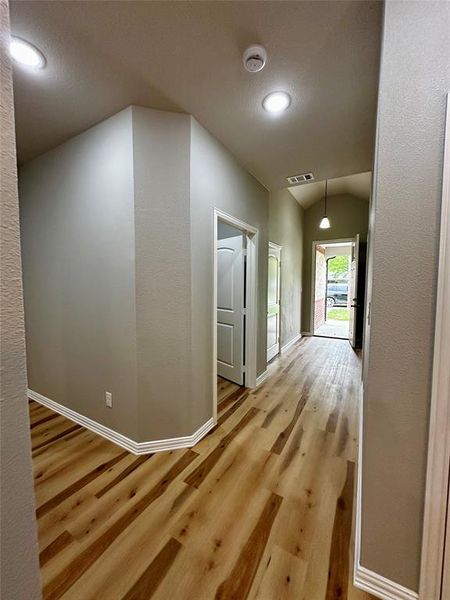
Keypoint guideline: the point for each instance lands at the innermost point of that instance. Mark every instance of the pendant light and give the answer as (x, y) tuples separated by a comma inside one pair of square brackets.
[(325, 222)]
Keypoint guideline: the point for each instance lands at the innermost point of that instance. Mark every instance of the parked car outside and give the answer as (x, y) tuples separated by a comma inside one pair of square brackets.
[(337, 294)]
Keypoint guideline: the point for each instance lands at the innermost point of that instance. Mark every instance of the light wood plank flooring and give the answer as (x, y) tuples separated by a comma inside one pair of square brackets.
[(226, 391), (260, 509)]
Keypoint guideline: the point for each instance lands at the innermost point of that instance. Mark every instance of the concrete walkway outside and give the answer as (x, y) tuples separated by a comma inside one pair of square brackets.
[(332, 328)]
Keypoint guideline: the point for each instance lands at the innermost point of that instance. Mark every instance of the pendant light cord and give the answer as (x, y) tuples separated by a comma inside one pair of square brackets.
[(326, 194)]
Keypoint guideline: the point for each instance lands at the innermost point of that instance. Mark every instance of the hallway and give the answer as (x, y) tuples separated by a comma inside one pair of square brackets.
[(261, 508)]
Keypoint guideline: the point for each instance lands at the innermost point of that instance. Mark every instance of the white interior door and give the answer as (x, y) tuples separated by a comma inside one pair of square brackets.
[(230, 308), (273, 301), (320, 288), (353, 292)]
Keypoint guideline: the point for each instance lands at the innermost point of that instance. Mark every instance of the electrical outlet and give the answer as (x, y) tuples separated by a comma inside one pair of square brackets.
[(108, 399)]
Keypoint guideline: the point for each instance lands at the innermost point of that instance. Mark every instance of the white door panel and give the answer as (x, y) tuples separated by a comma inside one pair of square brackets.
[(273, 302), (230, 308), (225, 344), (225, 273), (272, 331)]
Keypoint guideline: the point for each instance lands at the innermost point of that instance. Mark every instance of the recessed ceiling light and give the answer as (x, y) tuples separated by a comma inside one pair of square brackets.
[(26, 54), (276, 102)]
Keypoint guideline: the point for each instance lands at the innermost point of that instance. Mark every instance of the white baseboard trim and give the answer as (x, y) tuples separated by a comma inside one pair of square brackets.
[(381, 587), (261, 378), (121, 440), (364, 578), (291, 342)]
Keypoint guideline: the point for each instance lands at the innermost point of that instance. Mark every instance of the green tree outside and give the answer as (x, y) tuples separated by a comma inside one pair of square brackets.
[(338, 267)]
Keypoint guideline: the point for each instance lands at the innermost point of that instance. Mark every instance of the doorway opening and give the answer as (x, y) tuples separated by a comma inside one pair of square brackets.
[(334, 285), (235, 250)]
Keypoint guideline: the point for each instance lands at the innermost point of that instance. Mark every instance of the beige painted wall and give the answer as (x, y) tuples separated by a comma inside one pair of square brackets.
[(404, 238), (348, 216), (218, 181), (19, 567), (286, 229), (181, 173), (78, 247), (161, 158)]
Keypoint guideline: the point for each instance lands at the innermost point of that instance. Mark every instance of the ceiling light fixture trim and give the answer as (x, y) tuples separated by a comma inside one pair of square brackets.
[(276, 102), (26, 54)]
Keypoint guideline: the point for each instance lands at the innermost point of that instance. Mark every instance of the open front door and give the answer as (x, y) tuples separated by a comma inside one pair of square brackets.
[(230, 308), (353, 292), (273, 302)]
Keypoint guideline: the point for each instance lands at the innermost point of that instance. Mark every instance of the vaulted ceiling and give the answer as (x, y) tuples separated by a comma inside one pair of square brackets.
[(187, 56), (358, 185)]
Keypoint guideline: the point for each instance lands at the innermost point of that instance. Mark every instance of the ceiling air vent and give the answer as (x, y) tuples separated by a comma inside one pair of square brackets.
[(304, 178)]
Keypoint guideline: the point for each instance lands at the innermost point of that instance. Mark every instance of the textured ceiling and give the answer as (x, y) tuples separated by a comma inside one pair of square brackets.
[(186, 56), (358, 185)]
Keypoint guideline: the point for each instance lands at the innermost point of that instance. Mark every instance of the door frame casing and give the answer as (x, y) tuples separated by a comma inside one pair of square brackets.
[(277, 248), (313, 272), (251, 309), (354, 256), (434, 542)]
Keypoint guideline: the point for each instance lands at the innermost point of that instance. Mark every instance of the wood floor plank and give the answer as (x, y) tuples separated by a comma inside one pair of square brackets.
[(340, 542), (54, 476), (59, 519), (57, 437), (238, 583), (56, 588), (123, 474), (148, 583), (99, 516), (65, 436), (241, 398), (87, 518), (304, 497), (317, 543), (42, 420), (283, 436), (199, 474), (231, 398), (214, 541), (37, 411), (140, 542), (63, 453), (282, 577), (225, 389), (78, 485), (62, 541)]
